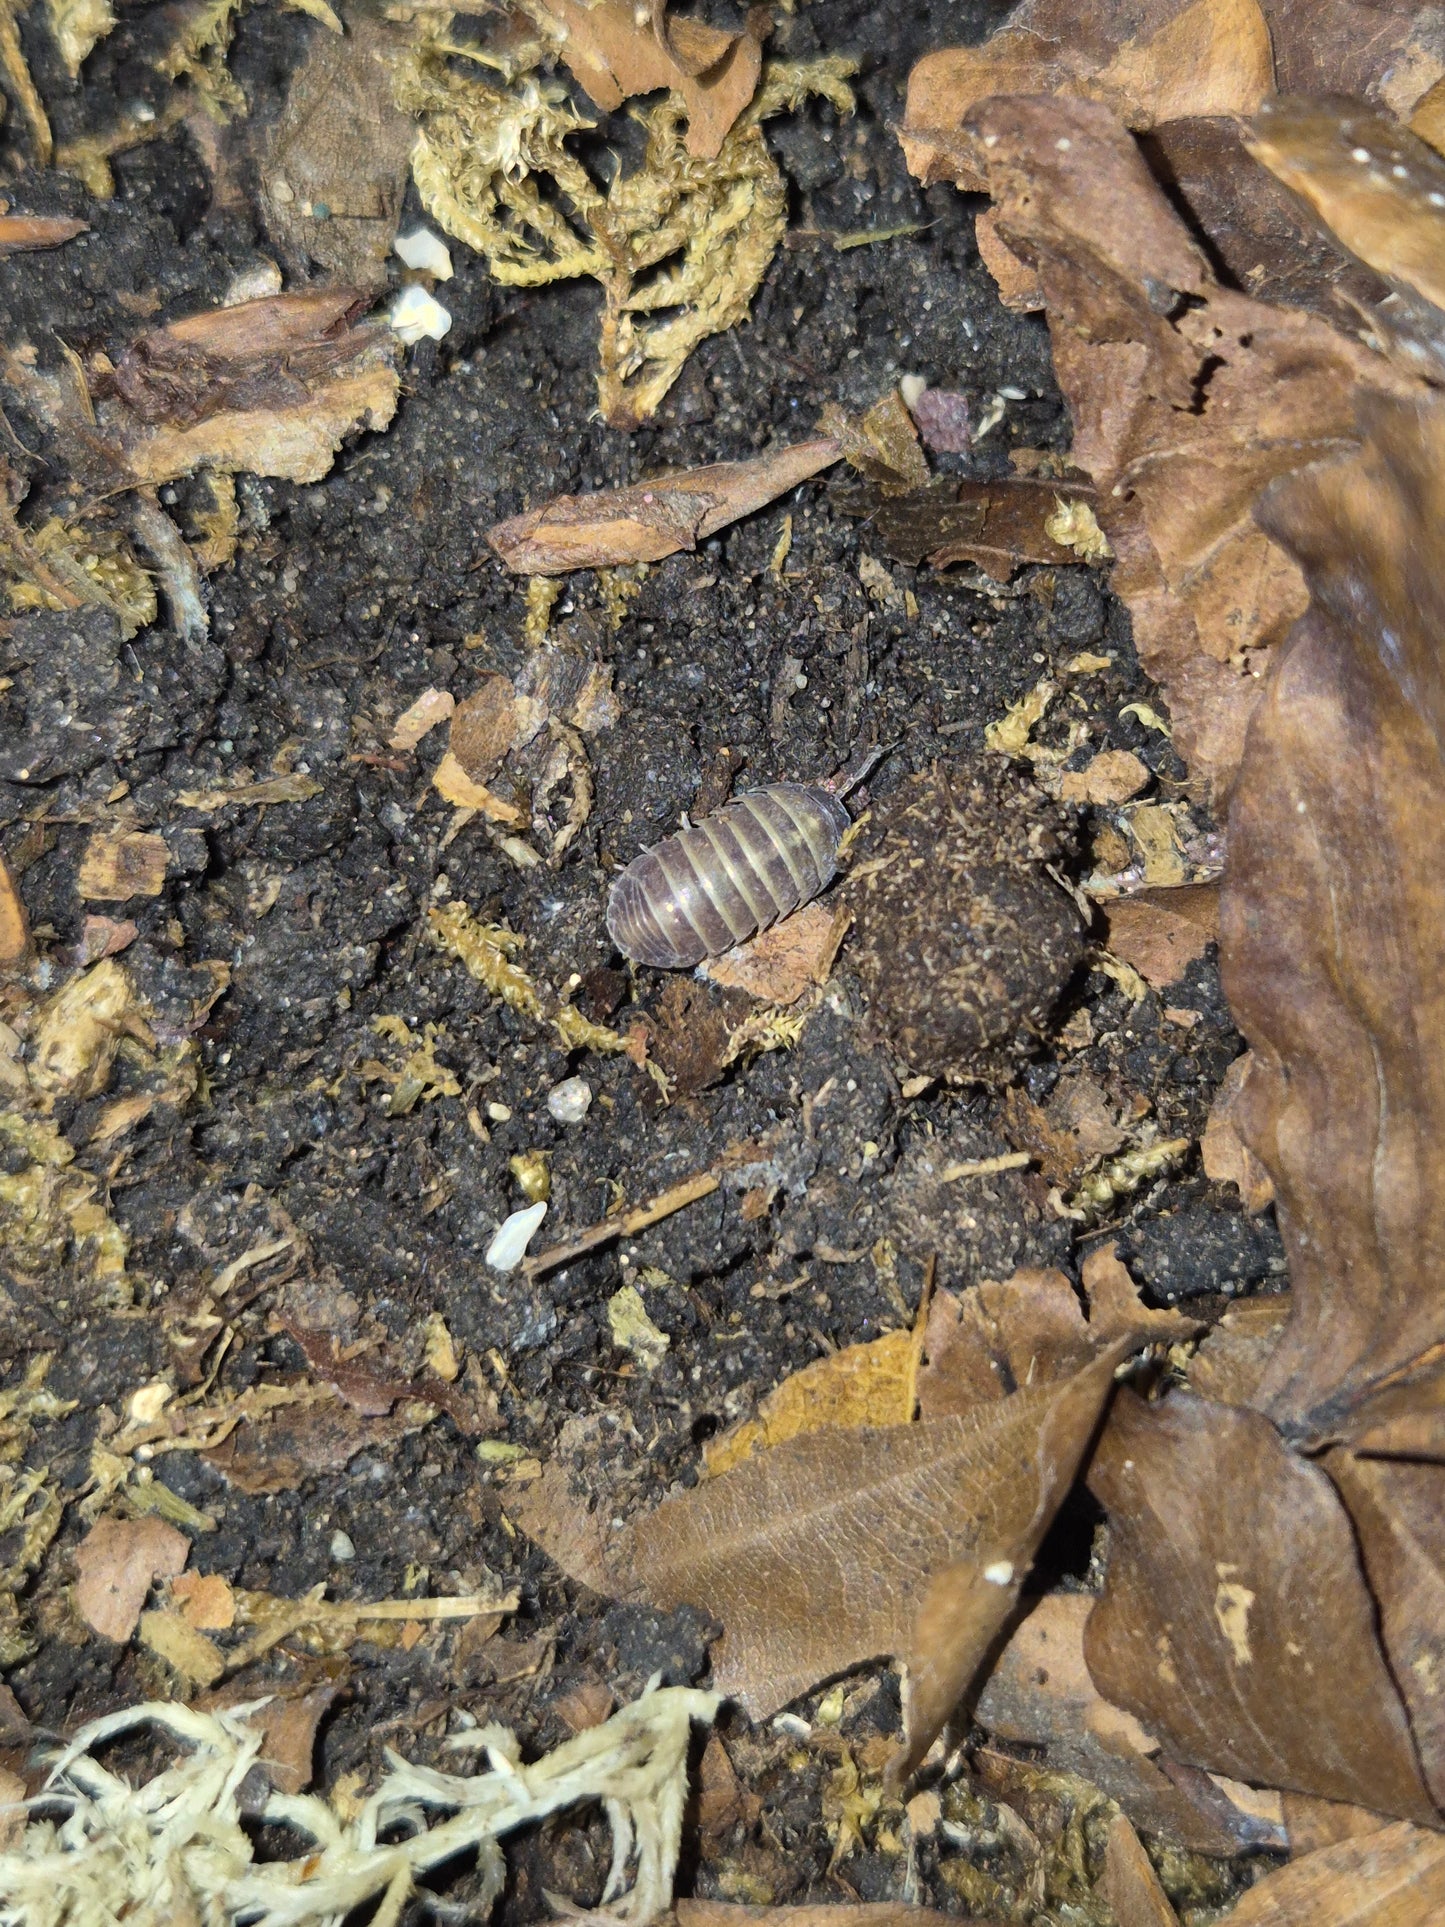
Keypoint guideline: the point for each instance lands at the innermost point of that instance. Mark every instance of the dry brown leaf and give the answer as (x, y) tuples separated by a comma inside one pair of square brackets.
[(652, 519), (431, 707), (1235, 1621), (14, 922), (1312, 1824), (617, 50), (1373, 183), (118, 1561), (1331, 914), (1398, 1511), (290, 1726), (1181, 421), (23, 233), (1039, 1693), (121, 864), (869, 1384), (785, 961), (206, 1601), (342, 144), (451, 782), (1223, 1152), (1391, 1878), (1160, 61), (1074, 1129), (1161, 932), (1113, 776), (484, 727), (1232, 1355), (1346, 46), (843, 1545), (998, 525), (198, 1660), (1130, 1884)]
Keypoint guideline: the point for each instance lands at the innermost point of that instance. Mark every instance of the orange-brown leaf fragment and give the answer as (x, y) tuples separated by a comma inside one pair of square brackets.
[(1183, 59), (1235, 1620), (14, 922), (24, 233), (617, 50), (652, 519), (1331, 916), (1113, 776), (484, 727), (1377, 187), (206, 1601), (1130, 1884), (122, 864), (118, 1561), (1394, 1877), (782, 963), (1039, 1693), (1223, 1152), (869, 1384), (1162, 932), (877, 1913), (1398, 1509)]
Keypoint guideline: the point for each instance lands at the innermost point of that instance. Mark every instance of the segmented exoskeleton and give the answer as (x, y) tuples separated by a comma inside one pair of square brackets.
[(702, 890)]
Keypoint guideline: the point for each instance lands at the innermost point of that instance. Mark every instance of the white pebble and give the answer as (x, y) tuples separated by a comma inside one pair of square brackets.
[(571, 1100), (415, 313), (425, 251), (1000, 1573), (343, 1547), (509, 1247)]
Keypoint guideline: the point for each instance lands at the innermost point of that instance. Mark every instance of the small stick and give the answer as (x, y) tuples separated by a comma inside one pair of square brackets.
[(985, 1167), (625, 1224)]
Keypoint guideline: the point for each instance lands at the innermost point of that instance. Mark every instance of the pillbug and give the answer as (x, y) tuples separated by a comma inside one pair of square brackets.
[(705, 888)]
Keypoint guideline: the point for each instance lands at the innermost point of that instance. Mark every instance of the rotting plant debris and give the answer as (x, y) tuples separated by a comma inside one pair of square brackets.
[(680, 244)]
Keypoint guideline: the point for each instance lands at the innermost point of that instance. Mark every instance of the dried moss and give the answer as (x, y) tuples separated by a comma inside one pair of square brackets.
[(680, 245)]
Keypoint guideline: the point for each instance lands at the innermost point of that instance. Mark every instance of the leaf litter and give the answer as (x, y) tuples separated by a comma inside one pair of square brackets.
[(1214, 330)]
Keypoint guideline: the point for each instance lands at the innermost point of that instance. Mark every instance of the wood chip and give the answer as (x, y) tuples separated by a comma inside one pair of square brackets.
[(118, 865)]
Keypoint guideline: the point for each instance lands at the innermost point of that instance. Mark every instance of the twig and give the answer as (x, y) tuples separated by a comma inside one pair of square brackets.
[(985, 1167), (625, 1224)]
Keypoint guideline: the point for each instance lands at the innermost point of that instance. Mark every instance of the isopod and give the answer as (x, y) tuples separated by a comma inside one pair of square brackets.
[(705, 888)]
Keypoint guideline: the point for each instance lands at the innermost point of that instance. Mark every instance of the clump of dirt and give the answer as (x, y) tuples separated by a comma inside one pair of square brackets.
[(962, 940)]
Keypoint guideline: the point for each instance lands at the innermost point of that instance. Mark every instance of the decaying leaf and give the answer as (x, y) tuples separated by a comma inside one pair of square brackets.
[(838, 1545), (1235, 1620), (1130, 1884), (118, 1562), (1070, 1132), (1330, 917), (1161, 932), (1182, 415), (871, 1384), (1377, 187), (1113, 776), (617, 50), (1398, 1509), (1223, 1152), (997, 525), (122, 864), (652, 519), (1394, 1877), (1165, 60), (1039, 1693), (881, 1913), (484, 727), (493, 168), (320, 1432), (335, 168), (783, 963)]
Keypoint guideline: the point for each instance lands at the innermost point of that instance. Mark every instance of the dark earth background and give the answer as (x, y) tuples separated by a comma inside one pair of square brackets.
[(346, 600)]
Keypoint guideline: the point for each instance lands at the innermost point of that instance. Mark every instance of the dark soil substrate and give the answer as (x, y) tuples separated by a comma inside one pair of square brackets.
[(345, 602)]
